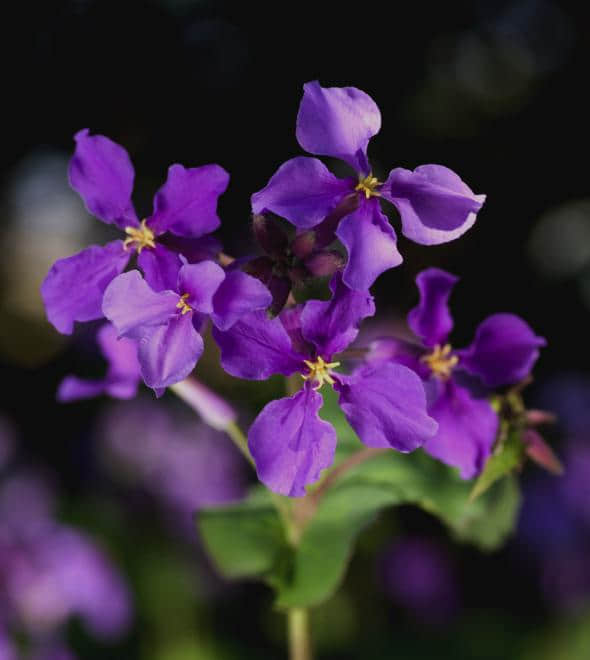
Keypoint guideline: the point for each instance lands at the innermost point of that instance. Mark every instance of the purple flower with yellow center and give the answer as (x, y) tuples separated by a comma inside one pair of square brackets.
[(503, 352), (184, 213), (435, 205), (166, 325), (291, 445), (122, 376)]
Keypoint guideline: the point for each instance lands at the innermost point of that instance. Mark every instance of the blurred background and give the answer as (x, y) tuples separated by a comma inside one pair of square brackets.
[(98, 555)]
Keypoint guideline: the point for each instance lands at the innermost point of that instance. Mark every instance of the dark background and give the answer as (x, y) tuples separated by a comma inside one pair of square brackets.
[(493, 90)]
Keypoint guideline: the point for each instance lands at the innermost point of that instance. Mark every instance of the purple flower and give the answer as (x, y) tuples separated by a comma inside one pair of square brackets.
[(50, 572), (503, 352), (435, 205), (167, 324), (186, 466), (184, 207), (418, 575), (122, 376), (291, 445), (7, 649)]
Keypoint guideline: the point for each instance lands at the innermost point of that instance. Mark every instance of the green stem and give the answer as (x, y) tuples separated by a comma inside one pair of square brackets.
[(239, 440), (299, 637)]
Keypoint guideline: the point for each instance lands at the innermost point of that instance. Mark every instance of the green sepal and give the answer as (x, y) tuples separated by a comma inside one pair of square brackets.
[(506, 458)]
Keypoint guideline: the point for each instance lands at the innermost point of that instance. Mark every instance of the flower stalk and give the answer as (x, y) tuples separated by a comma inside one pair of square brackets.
[(299, 634)]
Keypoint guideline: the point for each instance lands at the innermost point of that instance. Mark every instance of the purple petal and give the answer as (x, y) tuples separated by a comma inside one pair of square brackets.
[(74, 286), (303, 191), (122, 376), (435, 205), (392, 349), (132, 306), (257, 347), (120, 353), (504, 350), (371, 244), (238, 295), (73, 388), (200, 281), (332, 325), (467, 429), (186, 204), (290, 444), (431, 319), (160, 267), (386, 406), (291, 320), (168, 353), (102, 174), (337, 122)]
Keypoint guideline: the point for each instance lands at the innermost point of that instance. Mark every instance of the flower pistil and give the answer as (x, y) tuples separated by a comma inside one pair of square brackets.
[(368, 185), (182, 305), (319, 371), (139, 237), (440, 361)]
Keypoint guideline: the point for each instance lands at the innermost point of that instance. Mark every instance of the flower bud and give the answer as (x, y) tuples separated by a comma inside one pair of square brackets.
[(271, 238), (303, 244), (324, 263)]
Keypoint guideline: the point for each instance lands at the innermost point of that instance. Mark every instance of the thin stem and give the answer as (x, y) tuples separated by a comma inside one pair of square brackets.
[(299, 637), (239, 440)]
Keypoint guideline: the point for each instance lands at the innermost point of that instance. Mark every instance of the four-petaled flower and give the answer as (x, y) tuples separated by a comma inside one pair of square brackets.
[(167, 324), (503, 352), (291, 445), (435, 205), (185, 212)]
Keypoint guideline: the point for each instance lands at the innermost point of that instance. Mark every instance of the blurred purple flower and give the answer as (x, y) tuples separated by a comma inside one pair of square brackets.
[(418, 575), (185, 206), (290, 443), (435, 205), (503, 352), (7, 649), (186, 465), (50, 572)]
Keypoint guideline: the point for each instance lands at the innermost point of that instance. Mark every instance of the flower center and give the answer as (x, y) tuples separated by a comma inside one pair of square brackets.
[(182, 305), (368, 185), (319, 371), (139, 237), (440, 361)]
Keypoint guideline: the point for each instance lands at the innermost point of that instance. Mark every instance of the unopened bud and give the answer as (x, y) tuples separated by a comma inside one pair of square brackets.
[(214, 410), (271, 238), (280, 288), (260, 268), (540, 452), (303, 244), (325, 263)]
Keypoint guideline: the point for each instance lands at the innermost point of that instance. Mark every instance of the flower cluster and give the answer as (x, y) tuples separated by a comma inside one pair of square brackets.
[(401, 396), (50, 572)]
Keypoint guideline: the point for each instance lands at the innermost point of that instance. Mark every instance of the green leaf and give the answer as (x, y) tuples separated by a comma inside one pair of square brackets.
[(248, 540), (245, 539), (506, 458), (391, 478), (326, 545), (420, 480)]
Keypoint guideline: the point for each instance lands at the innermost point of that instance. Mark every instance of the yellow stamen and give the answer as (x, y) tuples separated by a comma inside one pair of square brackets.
[(367, 185), (440, 361), (320, 372), (139, 237), (182, 305)]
